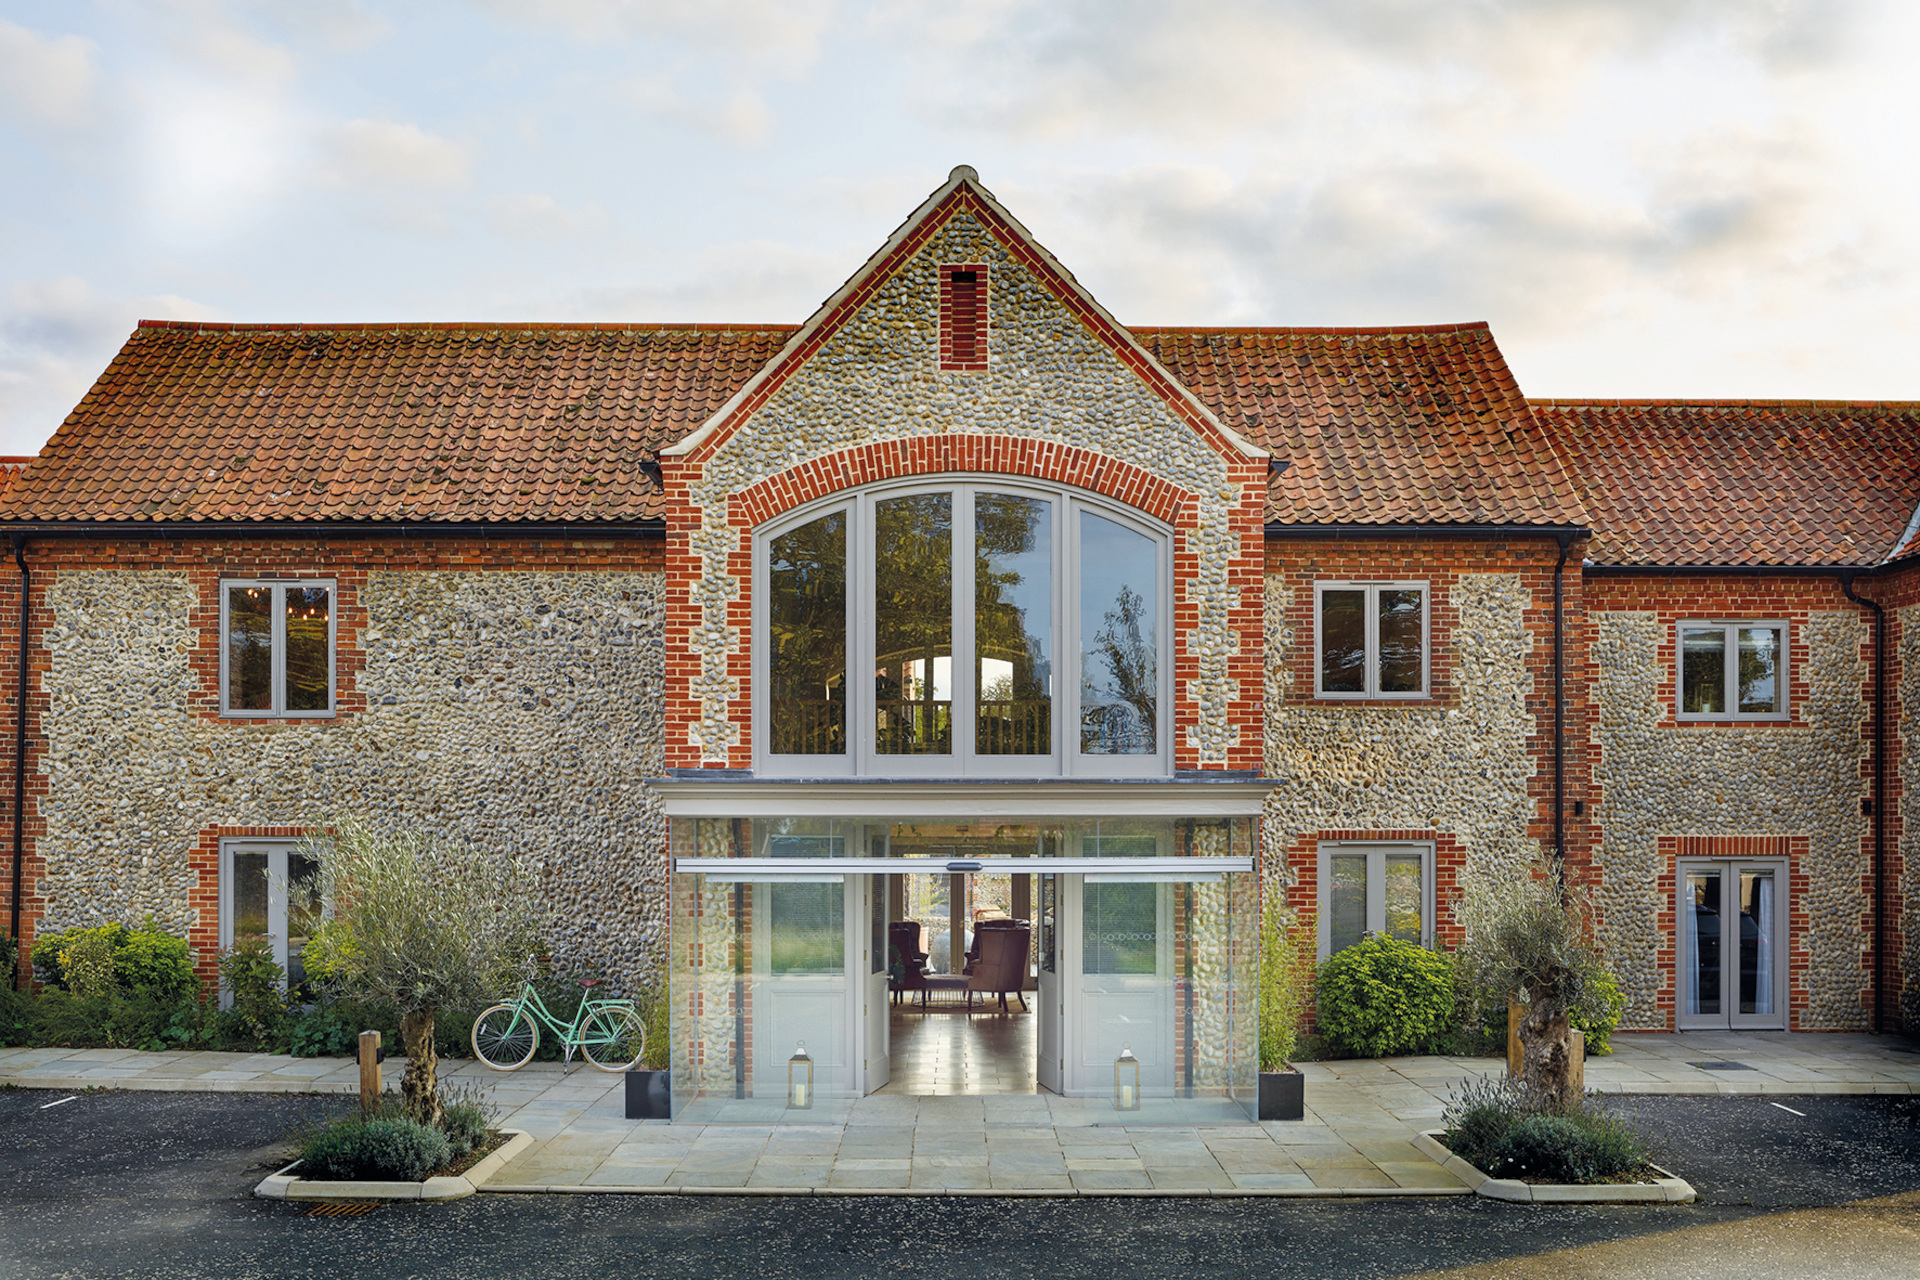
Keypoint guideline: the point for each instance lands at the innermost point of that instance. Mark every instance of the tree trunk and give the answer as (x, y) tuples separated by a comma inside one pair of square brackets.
[(1546, 1061), (420, 1086)]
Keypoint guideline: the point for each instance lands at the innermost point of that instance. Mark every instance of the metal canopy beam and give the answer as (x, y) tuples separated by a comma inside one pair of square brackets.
[(1034, 801)]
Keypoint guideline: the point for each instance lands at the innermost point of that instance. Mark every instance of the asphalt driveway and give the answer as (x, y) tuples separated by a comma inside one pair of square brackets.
[(145, 1184)]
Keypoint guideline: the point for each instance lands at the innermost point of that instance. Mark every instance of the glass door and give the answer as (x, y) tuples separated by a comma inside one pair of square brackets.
[(868, 902), (1731, 920), (1050, 1002)]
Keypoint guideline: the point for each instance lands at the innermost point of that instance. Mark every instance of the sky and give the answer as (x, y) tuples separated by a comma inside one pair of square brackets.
[(1645, 198)]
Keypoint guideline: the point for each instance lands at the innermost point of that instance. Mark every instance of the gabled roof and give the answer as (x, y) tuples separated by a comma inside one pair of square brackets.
[(962, 194), (1741, 482), (1379, 426), (469, 423)]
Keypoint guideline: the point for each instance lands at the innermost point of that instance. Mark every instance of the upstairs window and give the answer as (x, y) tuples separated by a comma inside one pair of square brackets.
[(276, 648), (1002, 630), (1732, 671), (1370, 640)]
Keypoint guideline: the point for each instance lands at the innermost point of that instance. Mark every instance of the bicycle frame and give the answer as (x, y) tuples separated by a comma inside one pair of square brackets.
[(530, 1003)]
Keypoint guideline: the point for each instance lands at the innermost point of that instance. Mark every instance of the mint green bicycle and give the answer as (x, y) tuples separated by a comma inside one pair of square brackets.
[(608, 1033)]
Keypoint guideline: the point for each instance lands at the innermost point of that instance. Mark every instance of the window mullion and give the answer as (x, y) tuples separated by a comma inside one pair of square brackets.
[(863, 616), (1376, 891), (1730, 669), (1373, 646)]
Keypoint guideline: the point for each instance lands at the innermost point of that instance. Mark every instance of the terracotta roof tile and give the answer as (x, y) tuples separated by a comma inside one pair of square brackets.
[(1379, 426), (1676, 482)]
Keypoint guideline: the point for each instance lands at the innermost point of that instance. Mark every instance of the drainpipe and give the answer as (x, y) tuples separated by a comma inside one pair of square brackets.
[(20, 747), (1560, 706), (1879, 798)]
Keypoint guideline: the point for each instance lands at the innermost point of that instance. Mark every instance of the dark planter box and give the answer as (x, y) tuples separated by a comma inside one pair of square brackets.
[(1283, 1095), (649, 1095)]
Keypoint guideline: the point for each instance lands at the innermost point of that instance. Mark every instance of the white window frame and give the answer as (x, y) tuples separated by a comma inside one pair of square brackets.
[(277, 851), (278, 678), (1376, 854), (1730, 669), (1373, 588), (1065, 759)]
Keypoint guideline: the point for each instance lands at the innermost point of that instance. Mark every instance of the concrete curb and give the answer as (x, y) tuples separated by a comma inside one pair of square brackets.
[(1668, 1190), (1002, 1193), (287, 1185)]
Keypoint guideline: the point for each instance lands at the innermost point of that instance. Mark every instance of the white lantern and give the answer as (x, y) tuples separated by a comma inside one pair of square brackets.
[(1126, 1081), (800, 1079)]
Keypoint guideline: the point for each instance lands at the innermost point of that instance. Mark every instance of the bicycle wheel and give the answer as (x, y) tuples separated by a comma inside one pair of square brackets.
[(612, 1038), (504, 1037)]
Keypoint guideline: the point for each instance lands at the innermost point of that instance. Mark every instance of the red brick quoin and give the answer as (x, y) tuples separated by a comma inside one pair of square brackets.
[(965, 454)]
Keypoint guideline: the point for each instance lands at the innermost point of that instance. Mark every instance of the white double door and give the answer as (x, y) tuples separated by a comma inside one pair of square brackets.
[(1731, 918)]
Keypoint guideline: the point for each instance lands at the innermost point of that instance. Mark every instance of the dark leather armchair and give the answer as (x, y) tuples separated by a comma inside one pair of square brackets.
[(999, 960), (906, 949)]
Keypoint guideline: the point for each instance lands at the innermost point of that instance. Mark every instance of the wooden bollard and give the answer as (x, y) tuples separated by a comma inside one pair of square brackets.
[(370, 1083)]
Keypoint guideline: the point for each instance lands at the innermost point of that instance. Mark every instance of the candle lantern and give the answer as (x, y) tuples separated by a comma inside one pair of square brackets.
[(800, 1079), (1126, 1081)]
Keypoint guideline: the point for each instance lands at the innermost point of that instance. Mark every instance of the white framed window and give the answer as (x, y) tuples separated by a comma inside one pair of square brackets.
[(1731, 671), (1374, 888), (998, 628), (276, 647), (266, 887), (1370, 639)]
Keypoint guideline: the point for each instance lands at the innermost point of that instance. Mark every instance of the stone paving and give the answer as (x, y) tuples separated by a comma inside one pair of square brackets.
[(1354, 1140)]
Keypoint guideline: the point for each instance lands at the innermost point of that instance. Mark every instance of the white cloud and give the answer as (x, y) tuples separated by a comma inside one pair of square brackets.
[(344, 25), (45, 79), (537, 216), (739, 116), (789, 30), (383, 154), (55, 337), (213, 156)]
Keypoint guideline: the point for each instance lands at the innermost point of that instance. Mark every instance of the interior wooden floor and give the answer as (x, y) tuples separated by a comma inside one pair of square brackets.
[(947, 1052)]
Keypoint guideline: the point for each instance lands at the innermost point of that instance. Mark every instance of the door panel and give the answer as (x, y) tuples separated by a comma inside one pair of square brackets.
[(1126, 984), (801, 989), (874, 1051), (1049, 1003), (1731, 920)]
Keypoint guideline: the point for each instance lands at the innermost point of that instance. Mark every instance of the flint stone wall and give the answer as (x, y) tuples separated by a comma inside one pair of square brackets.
[(1907, 708), (1657, 778), (517, 711), (1461, 769)]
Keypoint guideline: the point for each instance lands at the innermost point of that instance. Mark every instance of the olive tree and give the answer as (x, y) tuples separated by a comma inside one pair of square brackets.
[(422, 922), (1530, 938)]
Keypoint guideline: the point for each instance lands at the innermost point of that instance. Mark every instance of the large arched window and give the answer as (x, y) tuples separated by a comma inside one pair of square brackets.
[(1004, 629)]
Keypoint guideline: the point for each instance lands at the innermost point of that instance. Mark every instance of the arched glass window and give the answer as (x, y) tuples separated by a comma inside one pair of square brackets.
[(1003, 630)]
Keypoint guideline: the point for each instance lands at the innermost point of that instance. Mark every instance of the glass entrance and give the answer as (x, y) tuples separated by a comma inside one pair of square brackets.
[(1731, 918), (1117, 959)]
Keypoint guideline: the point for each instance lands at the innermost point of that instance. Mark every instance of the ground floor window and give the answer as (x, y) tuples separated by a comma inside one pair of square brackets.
[(267, 887), (1374, 888)]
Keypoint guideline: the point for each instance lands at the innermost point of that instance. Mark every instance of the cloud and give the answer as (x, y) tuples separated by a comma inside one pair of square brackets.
[(344, 25), (749, 282), (534, 216), (55, 337), (381, 154), (788, 30), (45, 79), (739, 117)]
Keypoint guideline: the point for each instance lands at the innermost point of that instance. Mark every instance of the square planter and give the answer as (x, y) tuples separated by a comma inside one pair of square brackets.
[(649, 1095), (1283, 1095)]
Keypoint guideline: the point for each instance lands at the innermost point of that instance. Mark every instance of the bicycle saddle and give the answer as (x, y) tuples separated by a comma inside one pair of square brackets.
[(589, 982)]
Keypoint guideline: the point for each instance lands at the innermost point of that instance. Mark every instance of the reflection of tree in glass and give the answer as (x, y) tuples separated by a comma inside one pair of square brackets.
[(1012, 663), (250, 648), (808, 635), (913, 618), (307, 664), (1117, 713)]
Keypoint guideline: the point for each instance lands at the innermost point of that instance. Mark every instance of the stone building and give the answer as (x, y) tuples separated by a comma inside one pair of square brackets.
[(1165, 627)]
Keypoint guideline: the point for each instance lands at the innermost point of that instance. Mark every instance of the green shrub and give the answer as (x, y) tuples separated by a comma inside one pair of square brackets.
[(1286, 974), (467, 1122), (1500, 1127), (9, 958), (153, 962), (87, 965), (16, 1010), (256, 982), (145, 961), (656, 1018), (1599, 1026), (1382, 997), (384, 1148), (321, 1032)]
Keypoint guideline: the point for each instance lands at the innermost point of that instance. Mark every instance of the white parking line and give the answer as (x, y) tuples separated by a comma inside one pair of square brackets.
[(69, 1098), (1789, 1110)]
